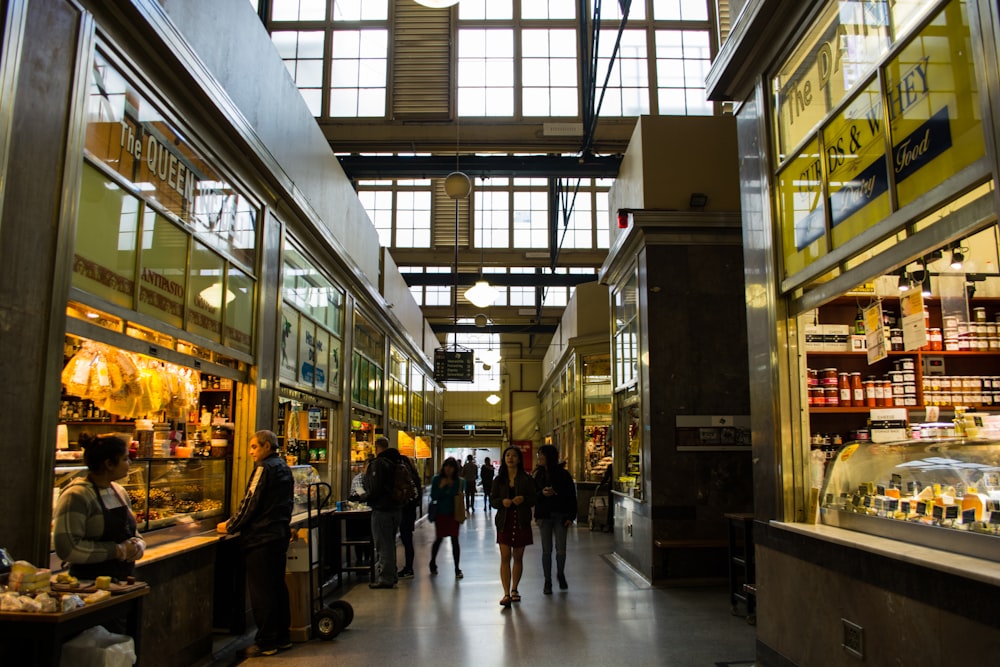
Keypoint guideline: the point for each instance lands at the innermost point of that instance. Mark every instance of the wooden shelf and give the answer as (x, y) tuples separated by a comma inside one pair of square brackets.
[(910, 353)]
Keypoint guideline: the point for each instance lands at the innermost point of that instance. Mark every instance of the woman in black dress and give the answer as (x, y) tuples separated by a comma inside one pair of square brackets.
[(513, 496)]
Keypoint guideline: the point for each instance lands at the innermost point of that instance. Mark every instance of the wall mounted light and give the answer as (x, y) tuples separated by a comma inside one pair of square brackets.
[(957, 258), (437, 4), (904, 282), (492, 399)]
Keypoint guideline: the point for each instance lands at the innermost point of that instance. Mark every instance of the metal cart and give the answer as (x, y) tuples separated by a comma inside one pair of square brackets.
[(327, 621)]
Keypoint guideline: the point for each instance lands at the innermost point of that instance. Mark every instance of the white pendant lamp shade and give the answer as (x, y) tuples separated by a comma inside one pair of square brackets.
[(437, 4), (490, 357), (457, 185), (482, 294)]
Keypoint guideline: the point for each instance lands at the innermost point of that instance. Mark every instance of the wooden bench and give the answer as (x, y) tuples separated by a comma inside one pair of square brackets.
[(665, 546)]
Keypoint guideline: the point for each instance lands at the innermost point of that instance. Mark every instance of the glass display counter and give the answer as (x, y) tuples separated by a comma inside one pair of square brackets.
[(942, 493), (167, 492)]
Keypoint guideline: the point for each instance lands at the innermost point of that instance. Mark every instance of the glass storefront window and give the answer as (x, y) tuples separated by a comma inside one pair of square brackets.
[(626, 336), (129, 135), (107, 229), (163, 269)]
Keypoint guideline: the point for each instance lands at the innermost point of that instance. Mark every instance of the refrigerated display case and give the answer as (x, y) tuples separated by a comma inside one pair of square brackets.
[(167, 492), (942, 493)]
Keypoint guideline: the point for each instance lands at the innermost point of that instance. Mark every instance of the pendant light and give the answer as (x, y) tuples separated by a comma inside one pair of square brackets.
[(437, 4), (482, 294)]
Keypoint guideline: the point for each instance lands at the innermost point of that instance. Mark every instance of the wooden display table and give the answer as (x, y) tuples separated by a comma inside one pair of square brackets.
[(37, 638)]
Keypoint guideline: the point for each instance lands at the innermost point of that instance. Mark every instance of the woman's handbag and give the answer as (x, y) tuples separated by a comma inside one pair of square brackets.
[(460, 504), (432, 511)]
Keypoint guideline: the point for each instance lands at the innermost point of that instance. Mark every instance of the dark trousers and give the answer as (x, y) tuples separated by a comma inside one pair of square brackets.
[(470, 495), (268, 593), (406, 524)]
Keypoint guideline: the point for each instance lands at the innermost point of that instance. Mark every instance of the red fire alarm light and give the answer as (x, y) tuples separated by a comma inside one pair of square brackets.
[(623, 216)]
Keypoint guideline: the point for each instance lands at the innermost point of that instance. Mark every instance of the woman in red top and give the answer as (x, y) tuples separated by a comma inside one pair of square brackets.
[(513, 496)]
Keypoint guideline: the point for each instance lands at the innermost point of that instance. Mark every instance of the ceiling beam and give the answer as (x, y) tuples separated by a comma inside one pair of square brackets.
[(527, 328), (438, 166), (500, 279)]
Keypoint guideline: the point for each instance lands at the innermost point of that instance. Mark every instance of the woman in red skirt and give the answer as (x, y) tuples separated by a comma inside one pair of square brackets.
[(513, 496), (444, 487)]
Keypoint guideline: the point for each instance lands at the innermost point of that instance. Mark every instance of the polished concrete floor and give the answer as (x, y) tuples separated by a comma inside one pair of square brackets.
[(608, 616)]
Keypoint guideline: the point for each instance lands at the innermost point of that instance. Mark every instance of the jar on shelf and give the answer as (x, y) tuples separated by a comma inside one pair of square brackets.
[(832, 397), (870, 392), (857, 390), (896, 340), (828, 378), (844, 388)]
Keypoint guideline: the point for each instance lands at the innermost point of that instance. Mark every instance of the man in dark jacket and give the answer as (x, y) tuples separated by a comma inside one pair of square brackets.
[(386, 513), (264, 522)]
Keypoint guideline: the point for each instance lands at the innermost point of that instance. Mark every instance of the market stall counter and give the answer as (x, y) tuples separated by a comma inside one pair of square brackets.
[(37, 638)]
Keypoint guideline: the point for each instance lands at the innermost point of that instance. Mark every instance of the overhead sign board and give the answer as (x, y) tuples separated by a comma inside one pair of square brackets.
[(453, 365)]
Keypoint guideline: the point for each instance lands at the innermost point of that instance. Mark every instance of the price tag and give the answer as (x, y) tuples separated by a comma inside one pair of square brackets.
[(880, 490), (951, 511), (938, 512), (896, 480), (968, 516), (893, 505), (921, 509), (905, 507)]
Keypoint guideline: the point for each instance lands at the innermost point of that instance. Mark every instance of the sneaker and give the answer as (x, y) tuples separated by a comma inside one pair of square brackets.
[(562, 582), (254, 651), (405, 573), (458, 574), (547, 589)]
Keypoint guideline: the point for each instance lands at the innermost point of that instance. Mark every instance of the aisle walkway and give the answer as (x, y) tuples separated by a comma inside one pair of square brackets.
[(607, 617)]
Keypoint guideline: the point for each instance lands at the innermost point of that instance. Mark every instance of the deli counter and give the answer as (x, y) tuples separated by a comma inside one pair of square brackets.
[(942, 493), (169, 491)]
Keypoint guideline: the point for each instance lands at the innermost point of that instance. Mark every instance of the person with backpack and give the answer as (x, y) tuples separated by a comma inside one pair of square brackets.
[(387, 493), (409, 521), (445, 487)]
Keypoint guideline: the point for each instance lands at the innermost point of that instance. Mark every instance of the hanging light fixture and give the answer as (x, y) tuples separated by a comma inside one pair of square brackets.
[(492, 399), (437, 4), (904, 282), (490, 357), (925, 287), (482, 294)]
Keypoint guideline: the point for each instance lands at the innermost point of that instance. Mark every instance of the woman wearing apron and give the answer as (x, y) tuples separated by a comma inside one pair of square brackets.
[(95, 530)]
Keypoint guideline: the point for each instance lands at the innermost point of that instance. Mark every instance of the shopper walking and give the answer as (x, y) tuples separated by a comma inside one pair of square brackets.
[(486, 479), (554, 512), (386, 513), (513, 496), (445, 487), (408, 520), (264, 522), (470, 471)]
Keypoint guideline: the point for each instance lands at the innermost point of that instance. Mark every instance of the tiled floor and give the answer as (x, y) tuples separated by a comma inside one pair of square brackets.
[(607, 617)]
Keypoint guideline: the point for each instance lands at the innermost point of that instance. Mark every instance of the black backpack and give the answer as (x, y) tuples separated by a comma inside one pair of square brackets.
[(403, 491)]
